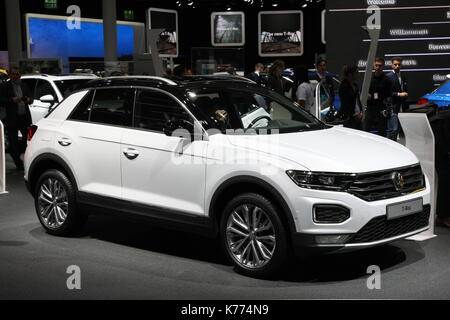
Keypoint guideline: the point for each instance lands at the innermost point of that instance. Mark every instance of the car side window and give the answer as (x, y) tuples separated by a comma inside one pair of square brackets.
[(31, 83), (154, 109), (44, 88), (113, 106), (83, 109)]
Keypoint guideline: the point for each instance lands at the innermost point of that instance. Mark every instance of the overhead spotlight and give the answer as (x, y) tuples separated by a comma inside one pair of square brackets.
[(275, 4), (190, 3), (304, 5)]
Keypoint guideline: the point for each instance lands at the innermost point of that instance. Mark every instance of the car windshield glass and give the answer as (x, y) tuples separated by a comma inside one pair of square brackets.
[(253, 108), (443, 89), (66, 87)]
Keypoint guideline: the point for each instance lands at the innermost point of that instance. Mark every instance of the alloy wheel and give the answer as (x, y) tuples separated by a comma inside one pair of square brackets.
[(250, 236), (53, 203)]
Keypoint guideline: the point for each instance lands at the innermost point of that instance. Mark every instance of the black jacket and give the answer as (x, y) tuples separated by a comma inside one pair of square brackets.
[(380, 85), (276, 84), (254, 77), (397, 101), (330, 86), (349, 97), (6, 95)]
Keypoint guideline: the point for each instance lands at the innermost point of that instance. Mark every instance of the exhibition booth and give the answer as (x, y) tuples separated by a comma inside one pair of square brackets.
[(148, 124)]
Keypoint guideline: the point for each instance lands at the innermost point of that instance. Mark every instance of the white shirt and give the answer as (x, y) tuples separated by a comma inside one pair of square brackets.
[(305, 92)]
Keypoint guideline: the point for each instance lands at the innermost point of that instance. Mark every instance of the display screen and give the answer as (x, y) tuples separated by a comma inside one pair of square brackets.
[(411, 29), (228, 29), (168, 39), (50, 38), (280, 33)]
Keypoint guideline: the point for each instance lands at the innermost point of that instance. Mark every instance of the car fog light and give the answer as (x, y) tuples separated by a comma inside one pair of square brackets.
[(335, 239)]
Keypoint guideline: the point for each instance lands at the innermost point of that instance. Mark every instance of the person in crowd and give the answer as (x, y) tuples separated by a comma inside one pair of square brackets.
[(15, 97), (399, 96), (304, 90), (351, 107), (169, 72), (322, 75), (181, 71), (231, 70), (255, 76), (379, 93), (275, 80)]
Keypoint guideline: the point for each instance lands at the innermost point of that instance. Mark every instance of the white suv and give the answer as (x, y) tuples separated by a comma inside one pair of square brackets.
[(225, 158), (49, 90)]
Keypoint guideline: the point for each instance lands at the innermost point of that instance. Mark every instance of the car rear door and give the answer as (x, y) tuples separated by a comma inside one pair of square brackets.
[(90, 140)]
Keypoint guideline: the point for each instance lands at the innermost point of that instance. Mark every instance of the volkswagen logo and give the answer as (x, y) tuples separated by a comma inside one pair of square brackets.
[(398, 180)]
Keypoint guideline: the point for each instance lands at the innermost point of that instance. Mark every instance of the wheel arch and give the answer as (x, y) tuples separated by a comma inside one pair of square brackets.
[(45, 162), (248, 184)]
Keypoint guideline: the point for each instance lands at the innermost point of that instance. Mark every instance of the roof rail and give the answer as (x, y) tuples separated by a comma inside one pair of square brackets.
[(167, 81)]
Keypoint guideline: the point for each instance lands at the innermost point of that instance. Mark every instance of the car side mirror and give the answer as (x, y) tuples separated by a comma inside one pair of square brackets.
[(179, 128), (48, 99)]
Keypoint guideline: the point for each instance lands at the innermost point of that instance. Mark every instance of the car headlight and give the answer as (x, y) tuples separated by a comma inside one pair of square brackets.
[(321, 180)]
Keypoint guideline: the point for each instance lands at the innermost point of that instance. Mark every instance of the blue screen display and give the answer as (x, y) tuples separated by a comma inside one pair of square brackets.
[(53, 39)]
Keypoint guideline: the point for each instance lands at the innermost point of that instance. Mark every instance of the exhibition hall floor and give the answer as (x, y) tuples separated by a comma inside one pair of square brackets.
[(124, 260)]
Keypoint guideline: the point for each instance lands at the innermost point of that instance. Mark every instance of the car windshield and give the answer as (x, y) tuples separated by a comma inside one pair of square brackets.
[(252, 108), (66, 87)]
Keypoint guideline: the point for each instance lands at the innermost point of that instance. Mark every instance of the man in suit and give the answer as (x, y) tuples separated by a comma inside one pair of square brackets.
[(379, 92), (15, 97), (256, 75), (399, 96), (321, 75)]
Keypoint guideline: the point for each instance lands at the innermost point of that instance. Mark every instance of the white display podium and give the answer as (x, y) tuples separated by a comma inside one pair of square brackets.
[(419, 138), (2, 160)]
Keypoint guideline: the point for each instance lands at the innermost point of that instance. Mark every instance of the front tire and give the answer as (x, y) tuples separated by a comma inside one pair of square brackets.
[(253, 236), (56, 206)]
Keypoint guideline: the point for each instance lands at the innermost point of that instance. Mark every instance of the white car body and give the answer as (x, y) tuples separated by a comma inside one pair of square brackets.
[(162, 176)]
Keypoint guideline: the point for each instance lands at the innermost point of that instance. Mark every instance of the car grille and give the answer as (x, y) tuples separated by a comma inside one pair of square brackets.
[(380, 185), (380, 228)]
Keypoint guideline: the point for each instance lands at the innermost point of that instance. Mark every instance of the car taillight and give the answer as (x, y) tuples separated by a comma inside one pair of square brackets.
[(31, 131), (423, 101)]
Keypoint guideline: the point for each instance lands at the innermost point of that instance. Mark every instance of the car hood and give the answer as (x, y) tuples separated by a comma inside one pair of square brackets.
[(331, 150)]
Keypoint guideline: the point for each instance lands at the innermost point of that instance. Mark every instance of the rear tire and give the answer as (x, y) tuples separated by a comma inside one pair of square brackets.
[(253, 236), (55, 203)]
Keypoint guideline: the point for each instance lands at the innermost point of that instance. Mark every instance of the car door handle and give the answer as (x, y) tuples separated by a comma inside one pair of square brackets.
[(131, 153), (65, 142)]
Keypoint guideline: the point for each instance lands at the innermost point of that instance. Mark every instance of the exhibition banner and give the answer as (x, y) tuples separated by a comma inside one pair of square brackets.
[(280, 33), (228, 29), (168, 39)]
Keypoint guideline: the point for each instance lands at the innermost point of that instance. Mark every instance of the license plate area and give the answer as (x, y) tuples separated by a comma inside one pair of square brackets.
[(405, 208)]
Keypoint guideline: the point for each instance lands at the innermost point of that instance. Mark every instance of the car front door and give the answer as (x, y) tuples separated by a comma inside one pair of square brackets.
[(161, 171), (90, 140)]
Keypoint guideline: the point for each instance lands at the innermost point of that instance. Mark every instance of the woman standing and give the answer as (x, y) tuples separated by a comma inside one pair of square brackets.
[(351, 108), (275, 81)]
